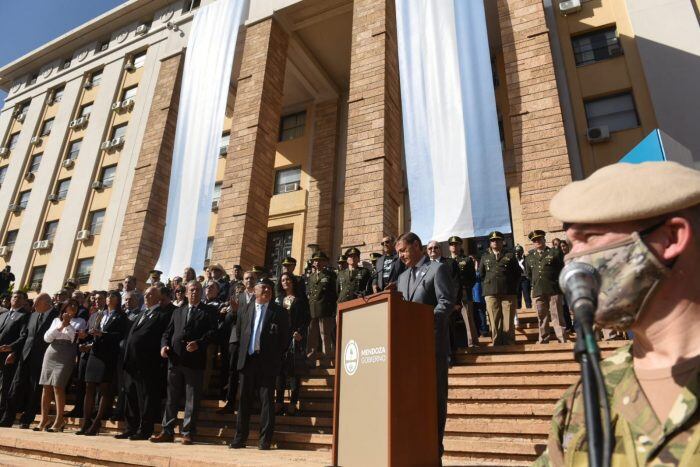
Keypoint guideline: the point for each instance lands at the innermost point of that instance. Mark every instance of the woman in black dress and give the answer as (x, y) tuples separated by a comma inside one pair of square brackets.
[(109, 329), (297, 306)]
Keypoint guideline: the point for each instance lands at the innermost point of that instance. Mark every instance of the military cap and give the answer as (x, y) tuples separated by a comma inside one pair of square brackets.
[(155, 272), (628, 192), (258, 270), (536, 234), (495, 235), (70, 283), (455, 240), (265, 281), (319, 255), (288, 261), (352, 252), (519, 248), (217, 266), (374, 256), (237, 266), (342, 259)]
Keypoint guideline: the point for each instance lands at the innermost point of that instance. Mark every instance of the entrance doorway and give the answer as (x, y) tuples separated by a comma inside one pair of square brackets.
[(279, 246)]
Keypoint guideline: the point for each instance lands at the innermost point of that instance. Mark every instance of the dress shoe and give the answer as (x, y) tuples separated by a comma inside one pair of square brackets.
[(237, 443), (24, 426), (264, 446), (139, 437), (162, 437), (5, 424), (187, 440), (94, 430), (125, 435), (227, 409)]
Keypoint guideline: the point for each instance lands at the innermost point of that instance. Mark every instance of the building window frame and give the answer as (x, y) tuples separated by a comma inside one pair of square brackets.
[(292, 126), (61, 191), (83, 270), (612, 119), (596, 46), (35, 163), (107, 175), (37, 278), (73, 153), (96, 221), (50, 229), (287, 180), (46, 127)]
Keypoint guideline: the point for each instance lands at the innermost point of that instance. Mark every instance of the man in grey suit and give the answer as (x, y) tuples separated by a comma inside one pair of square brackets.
[(429, 282)]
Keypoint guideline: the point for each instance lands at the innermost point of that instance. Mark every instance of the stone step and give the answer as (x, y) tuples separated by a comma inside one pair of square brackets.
[(537, 348), (486, 368), (508, 380), (524, 445), (500, 394), (487, 408), (457, 424)]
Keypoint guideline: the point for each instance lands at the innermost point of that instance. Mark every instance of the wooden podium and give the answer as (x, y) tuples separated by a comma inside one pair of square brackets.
[(385, 402)]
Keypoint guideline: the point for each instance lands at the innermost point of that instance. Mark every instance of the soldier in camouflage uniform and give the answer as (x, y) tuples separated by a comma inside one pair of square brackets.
[(322, 308), (342, 263), (465, 281), (639, 226), (542, 268), (355, 281)]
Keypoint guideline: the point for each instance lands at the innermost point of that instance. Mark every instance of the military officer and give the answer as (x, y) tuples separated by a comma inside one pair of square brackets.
[(289, 264), (154, 277), (322, 306), (465, 281), (356, 280), (542, 267), (639, 225), (342, 262), (499, 274)]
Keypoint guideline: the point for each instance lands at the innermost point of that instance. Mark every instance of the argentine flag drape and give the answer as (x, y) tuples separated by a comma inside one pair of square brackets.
[(204, 91), (452, 147)]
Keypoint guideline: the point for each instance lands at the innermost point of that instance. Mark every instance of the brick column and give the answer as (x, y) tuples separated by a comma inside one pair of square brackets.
[(142, 232), (241, 230), (319, 213), (373, 166), (540, 156)]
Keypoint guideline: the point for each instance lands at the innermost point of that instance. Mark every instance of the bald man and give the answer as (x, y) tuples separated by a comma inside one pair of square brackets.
[(25, 392)]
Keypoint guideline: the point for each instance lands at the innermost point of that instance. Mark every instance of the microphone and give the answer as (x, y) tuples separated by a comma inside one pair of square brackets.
[(580, 283)]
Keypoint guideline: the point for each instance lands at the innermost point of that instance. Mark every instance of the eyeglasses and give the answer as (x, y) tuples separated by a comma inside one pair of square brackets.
[(434, 248)]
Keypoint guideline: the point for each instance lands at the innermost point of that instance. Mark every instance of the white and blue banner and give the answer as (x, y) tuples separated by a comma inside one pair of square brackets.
[(454, 165), (205, 83)]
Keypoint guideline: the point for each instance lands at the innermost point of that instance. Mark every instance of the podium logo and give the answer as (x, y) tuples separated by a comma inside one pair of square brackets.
[(351, 358)]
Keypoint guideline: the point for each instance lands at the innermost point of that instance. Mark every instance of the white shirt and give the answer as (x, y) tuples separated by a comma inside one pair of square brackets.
[(105, 317), (258, 319), (68, 333)]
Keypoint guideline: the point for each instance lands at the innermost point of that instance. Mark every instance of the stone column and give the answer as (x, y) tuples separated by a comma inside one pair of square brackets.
[(321, 200), (241, 229), (373, 174), (541, 160), (142, 231)]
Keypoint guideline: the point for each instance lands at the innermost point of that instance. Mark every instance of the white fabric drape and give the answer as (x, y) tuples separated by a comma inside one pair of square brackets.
[(452, 146), (205, 83)]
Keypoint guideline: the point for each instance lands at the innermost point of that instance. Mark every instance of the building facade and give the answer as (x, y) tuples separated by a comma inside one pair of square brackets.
[(311, 150)]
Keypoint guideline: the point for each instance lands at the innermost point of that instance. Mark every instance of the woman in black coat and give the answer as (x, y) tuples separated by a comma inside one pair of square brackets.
[(110, 328), (297, 306)]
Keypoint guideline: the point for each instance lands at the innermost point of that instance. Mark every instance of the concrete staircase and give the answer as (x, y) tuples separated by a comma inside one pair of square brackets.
[(500, 402)]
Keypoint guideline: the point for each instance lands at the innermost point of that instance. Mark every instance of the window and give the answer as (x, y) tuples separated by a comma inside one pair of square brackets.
[(24, 198), (11, 238), (85, 110), (63, 187), (33, 78), (223, 144), (139, 59), (217, 191), (119, 131), (37, 277), (58, 94), (190, 5), (209, 250), (129, 93), (102, 45), (96, 77), (292, 126), (46, 128), (3, 172), (50, 230), (107, 177), (596, 46), (96, 219), (12, 142), (83, 270), (616, 112), (287, 180), (74, 149), (36, 162)]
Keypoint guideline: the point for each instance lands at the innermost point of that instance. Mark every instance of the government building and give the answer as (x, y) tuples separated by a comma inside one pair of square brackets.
[(311, 148)]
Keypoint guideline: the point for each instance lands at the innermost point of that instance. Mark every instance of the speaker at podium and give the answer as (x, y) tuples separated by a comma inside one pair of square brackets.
[(385, 410)]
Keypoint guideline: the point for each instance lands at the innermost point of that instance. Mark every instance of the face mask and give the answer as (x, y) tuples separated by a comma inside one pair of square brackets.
[(629, 274)]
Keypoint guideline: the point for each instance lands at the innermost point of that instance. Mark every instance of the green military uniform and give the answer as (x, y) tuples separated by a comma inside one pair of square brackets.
[(499, 281), (542, 267), (322, 296), (466, 277), (640, 437), (353, 283)]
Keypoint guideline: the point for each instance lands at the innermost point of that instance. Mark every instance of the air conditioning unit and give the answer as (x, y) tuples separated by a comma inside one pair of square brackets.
[(68, 163), (82, 121), (129, 66), (116, 105), (127, 104), (83, 235), (141, 30), (88, 85), (73, 123), (14, 208), (41, 245), (117, 142), (36, 140), (569, 7), (215, 205), (4, 152), (223, 150), (21, 116), (106, 144), (29, 176), (5, 250), (53, 198), (598, 134), (97, 185)]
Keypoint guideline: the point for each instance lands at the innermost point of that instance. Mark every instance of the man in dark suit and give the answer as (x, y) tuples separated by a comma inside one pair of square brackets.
[(388, 267), (142, 368), (429, 282), (184, 343), (12, 324), (262, 330), (25, 392)]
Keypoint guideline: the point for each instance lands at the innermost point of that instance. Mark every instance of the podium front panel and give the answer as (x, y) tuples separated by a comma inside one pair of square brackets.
[(364, 376)]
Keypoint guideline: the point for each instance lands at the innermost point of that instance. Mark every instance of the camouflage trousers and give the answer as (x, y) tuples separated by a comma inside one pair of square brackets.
[(550, 308)]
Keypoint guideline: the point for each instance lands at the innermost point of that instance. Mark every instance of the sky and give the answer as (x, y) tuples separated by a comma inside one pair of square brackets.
[(27, 24)]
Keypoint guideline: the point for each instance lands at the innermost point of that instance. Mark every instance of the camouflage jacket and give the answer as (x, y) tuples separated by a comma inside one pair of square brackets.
[(353, 283), (640, 438)]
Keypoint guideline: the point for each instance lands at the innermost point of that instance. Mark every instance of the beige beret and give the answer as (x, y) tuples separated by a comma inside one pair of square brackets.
[(627, 192)]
